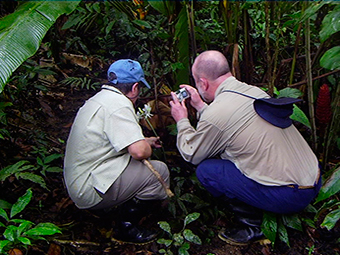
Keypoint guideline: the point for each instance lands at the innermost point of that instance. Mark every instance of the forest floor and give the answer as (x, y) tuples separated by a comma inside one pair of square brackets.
[(51, 116)]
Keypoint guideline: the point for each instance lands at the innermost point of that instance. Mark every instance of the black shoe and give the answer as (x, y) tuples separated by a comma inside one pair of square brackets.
[(241, 236), (128, 233)]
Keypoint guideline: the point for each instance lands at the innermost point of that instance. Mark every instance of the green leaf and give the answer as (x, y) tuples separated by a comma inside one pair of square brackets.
[(283, 235), (22, 32), (331, 59), (331, 219), (178, 238), (191, 237), (52, 157), (21, 203), (11, 233), (299, 116), (182, 43), (330, 187), (142, 23), (24, 240), (12, 169), (3, 244), (33, 178), (4, 204), (3, 214), (54, 169), (166, 242), (191, 217), (160, 6), (269, 226), (165, 226), (43, 229), (292, 221), (290, 92), (183, 251), (330, 24), (24, 226)]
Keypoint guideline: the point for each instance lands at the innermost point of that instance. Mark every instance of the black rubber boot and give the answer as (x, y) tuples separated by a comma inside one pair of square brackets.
[(250, 230), (127, 227)]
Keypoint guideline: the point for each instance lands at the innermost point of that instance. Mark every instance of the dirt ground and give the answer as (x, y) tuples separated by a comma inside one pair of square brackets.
[(85, 232)]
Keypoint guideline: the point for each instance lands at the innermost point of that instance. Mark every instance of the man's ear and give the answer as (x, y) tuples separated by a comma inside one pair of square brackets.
[(204, 84), (135, 89)]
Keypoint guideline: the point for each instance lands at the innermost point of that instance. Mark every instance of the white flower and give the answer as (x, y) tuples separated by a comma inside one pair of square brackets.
[(145, 112)]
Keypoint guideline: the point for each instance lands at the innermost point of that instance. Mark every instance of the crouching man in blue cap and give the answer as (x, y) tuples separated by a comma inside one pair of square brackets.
[(103, 167), (253, 158)]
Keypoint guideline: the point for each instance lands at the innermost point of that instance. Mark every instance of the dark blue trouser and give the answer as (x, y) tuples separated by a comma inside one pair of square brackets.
[(221, 177)]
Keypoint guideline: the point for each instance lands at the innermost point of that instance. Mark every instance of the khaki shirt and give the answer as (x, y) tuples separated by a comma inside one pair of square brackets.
[(230, 128), (96, 150)]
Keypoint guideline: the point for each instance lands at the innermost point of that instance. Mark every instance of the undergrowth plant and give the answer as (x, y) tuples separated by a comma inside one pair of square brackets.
[(328, 213), (25, 170), (180, 240), (18, 233)]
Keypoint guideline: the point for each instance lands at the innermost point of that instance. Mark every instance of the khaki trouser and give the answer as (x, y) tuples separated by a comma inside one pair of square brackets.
[(135, 181)]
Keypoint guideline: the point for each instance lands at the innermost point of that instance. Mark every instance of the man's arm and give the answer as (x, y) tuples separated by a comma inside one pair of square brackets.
[(140, 150)]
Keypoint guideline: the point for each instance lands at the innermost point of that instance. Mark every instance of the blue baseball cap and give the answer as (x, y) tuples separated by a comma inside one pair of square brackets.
[(127, 71)]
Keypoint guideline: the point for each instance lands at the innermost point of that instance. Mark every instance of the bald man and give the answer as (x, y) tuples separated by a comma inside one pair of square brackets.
[(244, 159)]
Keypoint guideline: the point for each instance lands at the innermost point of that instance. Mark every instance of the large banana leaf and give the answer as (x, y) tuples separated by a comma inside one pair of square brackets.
[(22, 32)]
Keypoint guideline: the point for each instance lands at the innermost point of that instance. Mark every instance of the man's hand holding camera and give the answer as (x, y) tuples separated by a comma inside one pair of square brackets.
[(178, 108)]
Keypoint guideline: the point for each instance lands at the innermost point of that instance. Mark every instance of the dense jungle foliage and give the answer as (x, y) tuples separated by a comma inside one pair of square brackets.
[(54, 55)]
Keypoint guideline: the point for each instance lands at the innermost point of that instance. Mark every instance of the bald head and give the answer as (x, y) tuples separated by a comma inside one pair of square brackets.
[(211, 65)]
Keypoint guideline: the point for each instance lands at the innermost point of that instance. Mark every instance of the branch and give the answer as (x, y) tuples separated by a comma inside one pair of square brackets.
[(159, 177)]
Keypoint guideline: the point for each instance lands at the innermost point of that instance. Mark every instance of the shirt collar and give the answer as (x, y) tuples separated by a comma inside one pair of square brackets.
[(108, 87), (227, 84)]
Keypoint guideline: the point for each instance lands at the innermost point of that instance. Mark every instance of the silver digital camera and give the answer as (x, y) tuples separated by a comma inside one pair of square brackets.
[(182, 94)]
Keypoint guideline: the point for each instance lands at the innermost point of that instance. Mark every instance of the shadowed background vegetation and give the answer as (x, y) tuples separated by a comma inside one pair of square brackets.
[(54, 55)]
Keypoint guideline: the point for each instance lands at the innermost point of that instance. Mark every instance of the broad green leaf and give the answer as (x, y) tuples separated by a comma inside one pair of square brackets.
[(191, 237), (33, 178), (4, 204), (142, 23), (166, 242), (309, 222), (43, 229), (326, 207), (24, 226), (289, 92), (24, 240), (21, 203), (299, 116), (3, 244), (165, 226), (159, 6), (331, 59), (54, 169), (22, 32), (269, 226), (183, 251), (283, 235), (292, 221), (178, 238), (19, 221), (330, 187), (3, 214), (10, 233), (330, 24), (182, 43), (52, 157), (12, 169), (190, 218), (312, 10), (331, 219)]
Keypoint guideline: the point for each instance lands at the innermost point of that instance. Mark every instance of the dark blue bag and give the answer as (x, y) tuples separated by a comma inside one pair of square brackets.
[(276, 111)]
